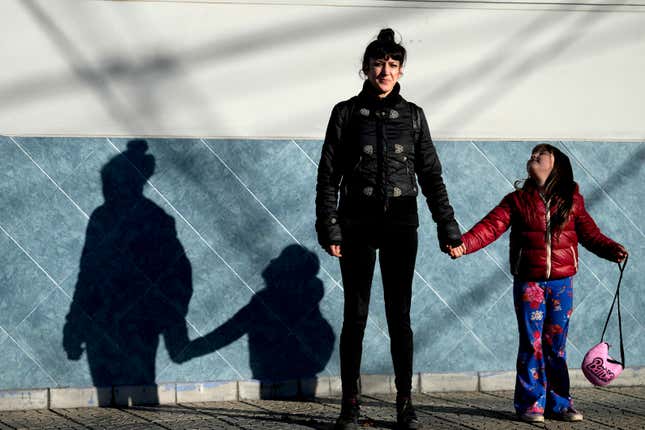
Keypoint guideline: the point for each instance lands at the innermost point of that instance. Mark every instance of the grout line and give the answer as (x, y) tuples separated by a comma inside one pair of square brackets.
[(31, 358), (303, 151), (34, 261), (455, 314), (36, 307), (264, 206), (611, 199), (50, 178)]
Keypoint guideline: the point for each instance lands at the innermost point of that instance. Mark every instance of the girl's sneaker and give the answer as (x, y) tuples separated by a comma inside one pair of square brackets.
[(531, 417), (569, 414)]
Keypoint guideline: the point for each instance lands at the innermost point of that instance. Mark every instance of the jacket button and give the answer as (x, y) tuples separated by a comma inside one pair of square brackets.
[(405, 158), (396, 192), (368, 149), (368, 191), (333, 220)]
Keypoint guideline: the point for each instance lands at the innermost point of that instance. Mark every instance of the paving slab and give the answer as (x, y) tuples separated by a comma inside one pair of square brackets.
[(604, 408)]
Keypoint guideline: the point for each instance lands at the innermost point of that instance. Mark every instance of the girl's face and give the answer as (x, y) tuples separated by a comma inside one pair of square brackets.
[(383, 73), (540, 165)]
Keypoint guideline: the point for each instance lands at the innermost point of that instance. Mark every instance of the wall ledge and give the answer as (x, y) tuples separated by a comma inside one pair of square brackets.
[(323, 386)]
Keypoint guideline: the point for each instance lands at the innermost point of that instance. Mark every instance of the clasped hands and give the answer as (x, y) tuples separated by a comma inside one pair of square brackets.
[(456, 252)]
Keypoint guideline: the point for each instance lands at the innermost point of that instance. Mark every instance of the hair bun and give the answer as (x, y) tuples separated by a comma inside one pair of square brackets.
[(386, 35)]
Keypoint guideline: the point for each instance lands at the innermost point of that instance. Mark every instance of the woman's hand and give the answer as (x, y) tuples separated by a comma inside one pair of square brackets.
[(457, 252), (334, 250), (620, 254)]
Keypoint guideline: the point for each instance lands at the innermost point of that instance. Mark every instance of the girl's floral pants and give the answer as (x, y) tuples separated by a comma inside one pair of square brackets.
[(543, 310)]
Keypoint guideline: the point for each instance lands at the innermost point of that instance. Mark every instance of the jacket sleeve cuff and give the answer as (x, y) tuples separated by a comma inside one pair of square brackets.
[(449, 234), (329, 232)]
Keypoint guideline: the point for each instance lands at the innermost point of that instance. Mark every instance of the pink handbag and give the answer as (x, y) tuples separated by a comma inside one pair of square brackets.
[(599, 368)]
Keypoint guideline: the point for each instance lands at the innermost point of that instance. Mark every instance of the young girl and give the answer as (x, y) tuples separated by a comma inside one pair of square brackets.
[(547, 217), (377, 145)]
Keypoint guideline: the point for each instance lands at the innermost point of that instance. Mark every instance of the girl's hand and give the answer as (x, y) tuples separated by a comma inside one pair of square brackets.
[(620, 254), (334, 250), (457, 252)]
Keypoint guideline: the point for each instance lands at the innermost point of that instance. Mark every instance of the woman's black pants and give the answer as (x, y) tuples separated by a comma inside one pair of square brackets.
[(397, 255)]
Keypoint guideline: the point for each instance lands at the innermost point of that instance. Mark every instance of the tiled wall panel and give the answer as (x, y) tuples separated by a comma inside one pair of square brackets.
[(271, 299)]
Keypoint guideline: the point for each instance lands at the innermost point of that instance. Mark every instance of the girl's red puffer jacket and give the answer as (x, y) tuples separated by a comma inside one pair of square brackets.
[(536, 253)]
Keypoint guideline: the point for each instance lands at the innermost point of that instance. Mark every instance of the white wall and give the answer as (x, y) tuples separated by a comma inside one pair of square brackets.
[(266, 69)]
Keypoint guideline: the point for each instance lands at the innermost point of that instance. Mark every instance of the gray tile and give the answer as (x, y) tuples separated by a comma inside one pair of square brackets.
[(588, 319), (24, 285), (312, 148), (41, 335), (498, 331), (25, 373), (617, 167), (219, 207), (376, 357), (217, 292), (281, 177), (51, 231), (437, 331), (168, 153)]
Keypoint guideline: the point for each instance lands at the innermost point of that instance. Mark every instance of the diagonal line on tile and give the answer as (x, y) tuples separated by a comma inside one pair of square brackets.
[(237, 275), (50, 178), (33, 260), (35, 307), (336, 284), (303, 151), (582, 263), (30, 357), (611, 199), (472, 333)]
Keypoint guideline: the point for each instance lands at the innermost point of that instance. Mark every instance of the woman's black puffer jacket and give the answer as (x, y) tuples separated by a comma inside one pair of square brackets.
[(372, 150)]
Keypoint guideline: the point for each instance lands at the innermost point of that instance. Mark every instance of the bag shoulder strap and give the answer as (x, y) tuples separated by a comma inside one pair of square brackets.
[(611, 309)]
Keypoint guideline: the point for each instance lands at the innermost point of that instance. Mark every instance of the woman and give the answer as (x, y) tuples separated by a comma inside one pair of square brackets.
[(375, 144), (548, 219)]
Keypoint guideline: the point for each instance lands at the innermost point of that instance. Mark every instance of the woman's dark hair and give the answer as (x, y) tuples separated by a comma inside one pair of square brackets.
[(559, 186), (383, 47)]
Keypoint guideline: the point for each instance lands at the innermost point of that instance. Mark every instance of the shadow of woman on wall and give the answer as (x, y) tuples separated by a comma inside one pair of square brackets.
[(288, 337), (134, 282)]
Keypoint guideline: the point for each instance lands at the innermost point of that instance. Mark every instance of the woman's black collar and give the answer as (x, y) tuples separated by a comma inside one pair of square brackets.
[(369, 95)]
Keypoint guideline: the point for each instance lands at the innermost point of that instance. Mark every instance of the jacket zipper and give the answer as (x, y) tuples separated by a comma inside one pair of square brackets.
[(575, 259), (517, 263), (351, 174), (547, 234)]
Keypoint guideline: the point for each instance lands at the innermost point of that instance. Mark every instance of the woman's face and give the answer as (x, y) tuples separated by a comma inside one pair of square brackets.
[(540, 165), (383, 73)]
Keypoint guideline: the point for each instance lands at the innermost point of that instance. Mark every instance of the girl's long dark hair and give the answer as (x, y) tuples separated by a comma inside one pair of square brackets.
[(559, 187)]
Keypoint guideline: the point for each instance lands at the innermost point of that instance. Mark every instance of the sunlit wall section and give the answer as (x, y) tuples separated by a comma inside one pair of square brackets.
[(275, 68)]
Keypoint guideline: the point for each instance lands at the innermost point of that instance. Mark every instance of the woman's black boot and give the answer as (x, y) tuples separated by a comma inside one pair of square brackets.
[(348, 419), (406, 418)]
